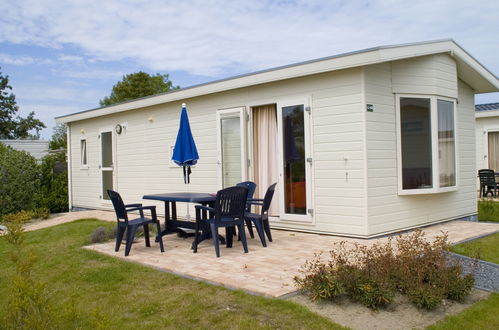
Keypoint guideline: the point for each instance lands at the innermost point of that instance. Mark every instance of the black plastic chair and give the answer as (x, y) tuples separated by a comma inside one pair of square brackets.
[(130, 226), (261, 220), (228, 212), (488, 182), (251, 186)]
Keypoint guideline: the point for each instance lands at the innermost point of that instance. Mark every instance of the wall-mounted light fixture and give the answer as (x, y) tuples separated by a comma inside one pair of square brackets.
[(151, 118), (82, 131)]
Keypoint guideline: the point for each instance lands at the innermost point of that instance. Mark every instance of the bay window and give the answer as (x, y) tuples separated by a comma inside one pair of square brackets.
[(426, 144)]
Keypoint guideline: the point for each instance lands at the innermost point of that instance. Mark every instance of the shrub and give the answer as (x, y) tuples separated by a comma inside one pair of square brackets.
[(19, 180), (488, 210), (25, 216), (372, 274), (20, 217), (320, 282), (40, 213), (458, 286), (102, 234), (28, 303), (54, 183), (426, 296)]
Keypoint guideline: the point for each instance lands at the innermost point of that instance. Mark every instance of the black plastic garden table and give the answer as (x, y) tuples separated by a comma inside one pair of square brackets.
[(172, 223)]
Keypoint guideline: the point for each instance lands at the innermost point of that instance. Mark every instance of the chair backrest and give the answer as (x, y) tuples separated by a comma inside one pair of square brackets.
[(251, 186), (487, 177), (230, 203), (119, 206), (268, 198)]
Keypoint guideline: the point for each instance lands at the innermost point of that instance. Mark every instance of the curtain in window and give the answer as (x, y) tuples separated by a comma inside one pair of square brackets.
[(265, 152), (446, 143), (494, 151)]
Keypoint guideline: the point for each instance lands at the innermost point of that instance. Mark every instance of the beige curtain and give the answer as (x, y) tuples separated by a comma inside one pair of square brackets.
[(446, 144), (265, 152), (494, 151)]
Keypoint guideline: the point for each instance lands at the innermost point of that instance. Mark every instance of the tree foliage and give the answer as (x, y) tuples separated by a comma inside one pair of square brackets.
[(59, 137), (136, 85), (13, 126)]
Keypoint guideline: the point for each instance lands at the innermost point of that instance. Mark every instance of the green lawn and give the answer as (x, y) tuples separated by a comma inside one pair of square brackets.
[(119, 294), (482, 315), (486, 248)]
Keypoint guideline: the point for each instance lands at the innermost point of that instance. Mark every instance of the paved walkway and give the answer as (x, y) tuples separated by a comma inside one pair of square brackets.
[(265, 271)]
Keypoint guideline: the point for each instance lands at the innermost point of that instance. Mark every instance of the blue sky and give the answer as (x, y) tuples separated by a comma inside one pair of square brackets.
[(64, 56)]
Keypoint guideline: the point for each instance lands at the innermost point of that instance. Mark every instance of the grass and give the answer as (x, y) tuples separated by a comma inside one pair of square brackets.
[(488, 210), (121, 294), (485, 248), (482, 315)]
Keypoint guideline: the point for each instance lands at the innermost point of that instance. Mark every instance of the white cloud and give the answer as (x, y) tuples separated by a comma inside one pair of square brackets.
[(70, 58), (23, 60), (219, 38), (90, 73), (41, 93)]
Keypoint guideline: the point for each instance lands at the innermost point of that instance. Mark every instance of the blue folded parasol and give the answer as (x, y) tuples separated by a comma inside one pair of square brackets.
[(185, 153)]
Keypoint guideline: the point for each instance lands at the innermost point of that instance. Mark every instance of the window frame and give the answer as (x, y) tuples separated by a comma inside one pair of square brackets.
[(435, 169), (84, 166)]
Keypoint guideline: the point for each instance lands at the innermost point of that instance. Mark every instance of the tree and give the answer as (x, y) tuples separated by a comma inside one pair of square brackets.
[(15, 127), (136, 85), (59, 138)]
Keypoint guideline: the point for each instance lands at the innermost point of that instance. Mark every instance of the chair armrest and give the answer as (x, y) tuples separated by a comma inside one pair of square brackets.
[(133, 205), (204, 208), (141, 209), (254, 201)]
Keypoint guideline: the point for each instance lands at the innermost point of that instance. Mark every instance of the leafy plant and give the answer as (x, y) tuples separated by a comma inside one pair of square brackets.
[(28, 305), (488, 210), (372, 274), (102, 234), (19, 180), (54, 183)]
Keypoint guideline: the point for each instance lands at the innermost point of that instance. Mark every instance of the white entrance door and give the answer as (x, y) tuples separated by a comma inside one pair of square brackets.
[(295, 193), (107, 163), (232, 159)]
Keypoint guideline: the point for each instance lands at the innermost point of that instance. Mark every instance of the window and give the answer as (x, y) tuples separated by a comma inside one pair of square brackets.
[(83, 148), (427, 145)]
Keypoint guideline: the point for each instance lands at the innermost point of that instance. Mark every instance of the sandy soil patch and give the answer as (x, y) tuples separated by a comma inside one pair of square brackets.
[(401, 314)]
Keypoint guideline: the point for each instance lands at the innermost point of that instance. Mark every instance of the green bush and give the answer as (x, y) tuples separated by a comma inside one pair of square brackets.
[(426, 296), (29, 306), (25, 216), (488, 210), (372, 274), (54, 183), (458, 286), (321, 283), (102, 234), (371, 294), (19, 180)]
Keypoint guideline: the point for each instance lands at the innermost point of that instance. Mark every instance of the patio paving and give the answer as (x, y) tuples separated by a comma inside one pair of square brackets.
[(264, 271)]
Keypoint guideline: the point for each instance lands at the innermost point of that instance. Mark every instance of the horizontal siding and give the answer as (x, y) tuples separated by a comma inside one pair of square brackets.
[(143, 165), (387, 211), (435, 74)]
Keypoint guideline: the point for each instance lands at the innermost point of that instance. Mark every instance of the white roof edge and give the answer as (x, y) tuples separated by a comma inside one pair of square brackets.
[(486, 113), (338, 62)]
